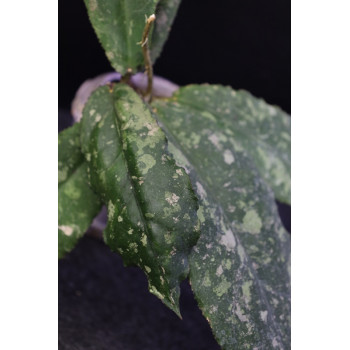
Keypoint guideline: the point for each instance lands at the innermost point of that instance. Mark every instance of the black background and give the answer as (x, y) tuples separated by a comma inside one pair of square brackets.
[(241, 43)]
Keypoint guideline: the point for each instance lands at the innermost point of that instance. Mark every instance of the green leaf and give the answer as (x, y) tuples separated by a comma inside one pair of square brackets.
[(77, 204), (152, 210), (119, 26), (262, 130), (165, 14), (239, 269)]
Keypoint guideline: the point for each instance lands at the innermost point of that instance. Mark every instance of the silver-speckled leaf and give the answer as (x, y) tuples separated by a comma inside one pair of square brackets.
[(165, 14), (119, 26), (77, 204), (152, 209), (262, 130), (240, 267)]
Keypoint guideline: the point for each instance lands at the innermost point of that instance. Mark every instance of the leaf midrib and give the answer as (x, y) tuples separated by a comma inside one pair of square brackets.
[(121, 142), (143, 218)]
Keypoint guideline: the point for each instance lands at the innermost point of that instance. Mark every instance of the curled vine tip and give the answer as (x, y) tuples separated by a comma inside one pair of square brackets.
[(151, 18)]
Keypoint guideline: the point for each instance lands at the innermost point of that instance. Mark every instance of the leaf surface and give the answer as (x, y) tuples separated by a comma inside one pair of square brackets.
[(239, 269), (152, 209), (119, 26), (77, 204), (262, 130), (165, 14)]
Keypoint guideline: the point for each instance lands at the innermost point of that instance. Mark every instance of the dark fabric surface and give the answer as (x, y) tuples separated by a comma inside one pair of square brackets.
[(106, 306)]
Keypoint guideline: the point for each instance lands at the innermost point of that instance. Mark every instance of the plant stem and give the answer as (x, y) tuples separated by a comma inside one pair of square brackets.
[(126, 78), (147, 57)]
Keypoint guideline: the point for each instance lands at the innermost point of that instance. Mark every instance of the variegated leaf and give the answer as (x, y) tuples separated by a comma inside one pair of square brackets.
[(233, 147), (119, 26), (152, 210), (262, 130), (77, 204)]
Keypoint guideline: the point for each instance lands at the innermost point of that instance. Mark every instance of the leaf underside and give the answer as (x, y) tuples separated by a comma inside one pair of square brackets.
[(234, 147), (152, 209), (77, 204)]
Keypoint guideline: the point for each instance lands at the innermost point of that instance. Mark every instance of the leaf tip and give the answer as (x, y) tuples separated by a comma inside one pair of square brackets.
[(171, 300)]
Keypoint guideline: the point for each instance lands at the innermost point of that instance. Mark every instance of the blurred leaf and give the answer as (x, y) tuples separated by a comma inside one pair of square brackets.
[(230, 144), (77, 204), (262, 130), (165, 14)]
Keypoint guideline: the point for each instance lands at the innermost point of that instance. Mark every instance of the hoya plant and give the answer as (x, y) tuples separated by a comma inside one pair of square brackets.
[(189, 176)]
